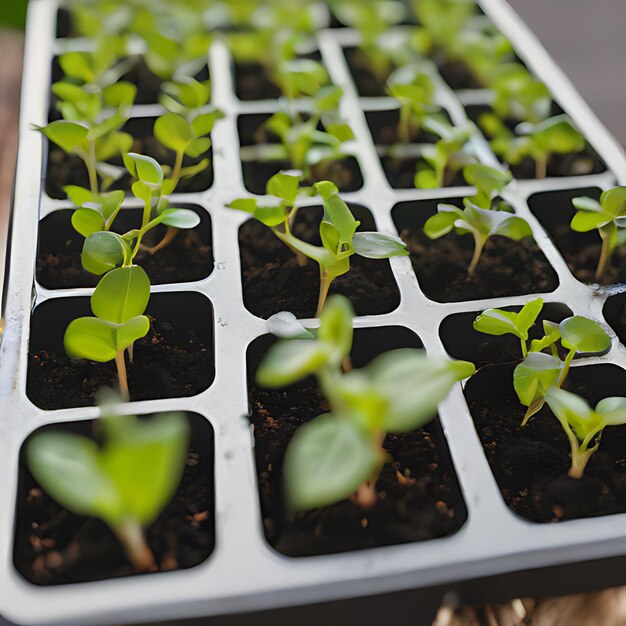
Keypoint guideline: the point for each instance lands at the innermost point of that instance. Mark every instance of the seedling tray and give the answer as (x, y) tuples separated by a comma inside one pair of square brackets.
[(494, 553)]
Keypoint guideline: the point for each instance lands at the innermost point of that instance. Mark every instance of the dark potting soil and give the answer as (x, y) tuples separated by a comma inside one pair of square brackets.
[(506, 267), (462, 342), (400, 172), (457, 74), (273, 281), (419, 495), (63, 169), (253, 83), (53, 546), (345, 173), (530, 464), (64, 24), (384, 128), (573, 164), (174, 360), (581, 251), (188, 258), (253, 130), (367, 83)]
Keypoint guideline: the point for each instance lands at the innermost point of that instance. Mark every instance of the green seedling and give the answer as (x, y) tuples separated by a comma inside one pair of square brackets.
[(499, 322), (94, 212), (302, 143), (340, 454), (608, 217), (482, 222), (126, 482), (541, 371), (118, 305), (520, 96), (443, 160), (583, 425), (414, 89), (277, 210), (539, 142)]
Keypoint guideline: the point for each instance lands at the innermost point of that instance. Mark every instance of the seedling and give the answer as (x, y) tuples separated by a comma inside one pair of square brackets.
[(584, 426), (414, 89), (302, 143), (499, 322), (277, 210), (482, 222), (447, 157), (607, 216), (94, 212), (520, 96), (340, 454), (126, 483), (540, 141)]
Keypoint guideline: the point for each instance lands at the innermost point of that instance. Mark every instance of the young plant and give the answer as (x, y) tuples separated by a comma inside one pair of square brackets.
[(583, 425), (302, 143), (539, 142), (127, 482), (443, 160), (414, 89), (482, 222), (499, 322), (607, 216), (340, 454)]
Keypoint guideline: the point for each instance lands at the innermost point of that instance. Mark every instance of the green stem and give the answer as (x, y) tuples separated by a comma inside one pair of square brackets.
[(91, 168), (404, 130), (325, 282), (177, 168), (132, 538), (579, 461), (301, 258), (524, 348), (145, 223), (566, 365), (479, 244), (605, 256), (541, 167), (121, 374)]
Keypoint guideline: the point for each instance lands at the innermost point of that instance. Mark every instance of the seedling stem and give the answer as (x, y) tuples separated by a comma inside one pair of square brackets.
[(121, 374), (132, 538)]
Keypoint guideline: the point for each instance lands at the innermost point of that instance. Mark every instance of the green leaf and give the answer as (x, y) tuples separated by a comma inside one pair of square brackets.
[(335, 330), (180, 218), (612, 410), (442, 222), (67, 467), (289, 361), (122, 294), (489, 182), (515, 228), (336, 211), (76, 64), (173, 132), (583, 221), (71, 137), (87, 222), (144, 169), (378, 245), (535, 375), (131, 331), (145, 461), (285, 325), (573, 411), (614, 200), (497, 322), (103, 251), (583, 203), (285, 185), (326, 461), (79, 195), (413, 385), (584, 335), (90, 338)]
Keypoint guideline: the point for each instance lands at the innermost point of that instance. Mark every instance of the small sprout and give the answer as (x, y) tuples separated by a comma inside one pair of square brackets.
[(607, 216), (584, 425), (481, 223), (299, 78), (285, 325), (126, 483), (540, 371), (412, 86), (447, 157), (538, 141), (340, 454), (499, 322), (118, 304), (302, 143), (520, 96), (95, 212)]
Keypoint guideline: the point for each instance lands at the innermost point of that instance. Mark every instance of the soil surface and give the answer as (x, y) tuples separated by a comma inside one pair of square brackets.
[(581, 251), (384, 128), (170, 362), (188, 258), (367, 83), (273, 281), (457, 74), (419, 496), (614, 312), (506, 267), (400, 172), (54, 546), (345, 173), (531, 463), (63, 169)]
